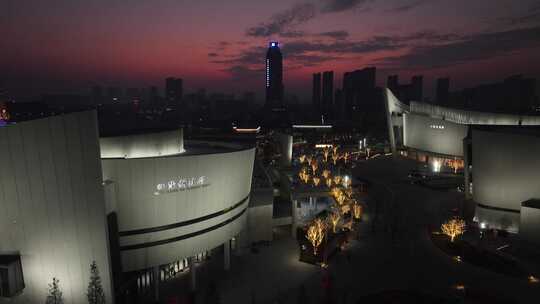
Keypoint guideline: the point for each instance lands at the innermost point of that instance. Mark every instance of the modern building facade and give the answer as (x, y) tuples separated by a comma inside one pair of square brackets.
[(172, 206), (174, 89), (442, 91), (506, 171), (328, 93), (357, 85), (406, 92), (274, 76), (170, 201), (141, 206), (52, 206), (515, 94), (498, 154), (316, 93)]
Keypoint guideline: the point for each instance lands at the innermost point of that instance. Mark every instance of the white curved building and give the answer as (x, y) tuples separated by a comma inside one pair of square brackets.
[(498, 152), (171, 207), (52, 209), (171, 204), (439, 130), (140, 206)]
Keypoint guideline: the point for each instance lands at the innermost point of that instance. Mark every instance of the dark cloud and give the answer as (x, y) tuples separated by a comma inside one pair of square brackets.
[(340, 35), (470, 48), (407, 6), (371, 45), (309, 59), (341, 47), (334, 6), (531, 16), (243, 72), (304, 52), (249, 56), (428, 36), (293, 34), (284, 21)]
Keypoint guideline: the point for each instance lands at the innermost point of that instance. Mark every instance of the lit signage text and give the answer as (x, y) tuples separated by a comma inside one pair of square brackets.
[(181, 184)]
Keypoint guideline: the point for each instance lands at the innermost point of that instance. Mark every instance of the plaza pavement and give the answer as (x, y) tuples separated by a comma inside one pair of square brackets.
[(398, 254)]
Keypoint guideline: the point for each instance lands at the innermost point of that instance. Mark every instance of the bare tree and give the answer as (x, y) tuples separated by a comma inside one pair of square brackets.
[(55, 294), (453, 228), (95, 292)]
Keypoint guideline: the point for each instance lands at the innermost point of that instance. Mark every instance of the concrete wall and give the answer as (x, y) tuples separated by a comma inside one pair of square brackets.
[(52, 208), (227, 183), (529, 229), (394, 108), (286, 145), (260, 216), (506, 171), (143, 145), (472, 117), (433, 135)]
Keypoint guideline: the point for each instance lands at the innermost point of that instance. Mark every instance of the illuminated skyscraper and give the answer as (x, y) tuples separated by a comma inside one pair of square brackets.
[(274, 76)]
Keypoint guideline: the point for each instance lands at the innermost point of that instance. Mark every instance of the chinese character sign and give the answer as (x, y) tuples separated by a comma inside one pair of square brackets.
[(181, 184)]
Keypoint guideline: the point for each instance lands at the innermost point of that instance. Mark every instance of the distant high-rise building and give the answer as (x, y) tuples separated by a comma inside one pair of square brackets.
[(358, 86), (114, 94), (417, 88), (97, 95), (316, 95), (360, 99), (133, 94), (274, 76), (393, 83), (249, 97), (516, 94), (327, 92), (153, 94), (174, 89), (339, 105), (4, 113), (406, 92), (443, 88), (3, 94)]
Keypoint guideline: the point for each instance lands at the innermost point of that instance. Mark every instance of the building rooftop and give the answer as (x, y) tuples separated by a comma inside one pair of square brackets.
[(520, 130), (532, 203)]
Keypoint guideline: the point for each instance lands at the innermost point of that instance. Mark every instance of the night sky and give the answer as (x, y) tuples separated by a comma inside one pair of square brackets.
[(69, 46)]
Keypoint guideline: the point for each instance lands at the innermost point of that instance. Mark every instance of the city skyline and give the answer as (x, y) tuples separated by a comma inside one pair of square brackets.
[(140, 44), (285, 151)]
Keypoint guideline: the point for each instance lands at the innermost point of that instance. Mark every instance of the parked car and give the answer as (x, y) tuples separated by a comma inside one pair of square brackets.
[(416, 174)]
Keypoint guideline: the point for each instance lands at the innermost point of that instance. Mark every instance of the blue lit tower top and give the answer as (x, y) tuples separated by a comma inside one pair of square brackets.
[(274, 76)]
